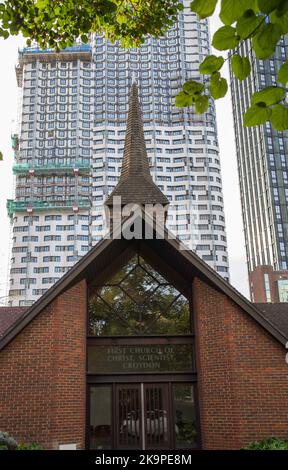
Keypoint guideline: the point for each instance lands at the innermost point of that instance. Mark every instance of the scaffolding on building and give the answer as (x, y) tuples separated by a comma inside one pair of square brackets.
[(26, 168), (33, 53), (31, 206)]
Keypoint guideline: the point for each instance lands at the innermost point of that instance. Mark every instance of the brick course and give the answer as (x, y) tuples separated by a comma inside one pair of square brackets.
[(43, 375)]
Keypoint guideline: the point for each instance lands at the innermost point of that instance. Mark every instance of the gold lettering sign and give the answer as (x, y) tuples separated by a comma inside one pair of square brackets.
[(144, 358)]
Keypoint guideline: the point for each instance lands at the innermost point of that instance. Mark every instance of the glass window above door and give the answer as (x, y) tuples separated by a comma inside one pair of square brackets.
[(137, 300)]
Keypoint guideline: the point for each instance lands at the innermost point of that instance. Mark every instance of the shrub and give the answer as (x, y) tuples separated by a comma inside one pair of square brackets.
[(32, 446), (273, 443)]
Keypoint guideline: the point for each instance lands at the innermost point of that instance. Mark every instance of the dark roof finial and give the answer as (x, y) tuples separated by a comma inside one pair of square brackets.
[(136, 184)]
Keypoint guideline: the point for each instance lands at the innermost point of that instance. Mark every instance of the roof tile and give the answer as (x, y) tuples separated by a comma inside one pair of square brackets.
[(8, 316), (277, 314)]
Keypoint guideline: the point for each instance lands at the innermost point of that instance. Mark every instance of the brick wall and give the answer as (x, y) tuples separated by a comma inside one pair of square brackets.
[(242, 374), (43, 375)]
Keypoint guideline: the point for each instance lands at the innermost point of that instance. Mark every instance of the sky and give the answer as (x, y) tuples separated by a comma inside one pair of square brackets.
[(8, 118)]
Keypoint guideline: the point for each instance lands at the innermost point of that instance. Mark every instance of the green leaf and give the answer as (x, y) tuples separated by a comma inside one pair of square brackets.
[(84, 38), (4, 34), (270, 95), (191, 87), (231, 10), (270, 33), (282, 8), (262, 53), (283, 74), (256, 115), (211, 64), (218, 86), (106, 6), (203, 8), (268, 5), (282, 21), (182, 100), (201, 104), (265, 42), (248, 24), (240, 66), (41, 4), (121, 18), (225, 38), (279, 117), (1, 156)]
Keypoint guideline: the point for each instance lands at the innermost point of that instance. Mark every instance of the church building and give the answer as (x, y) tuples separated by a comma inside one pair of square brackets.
[(141, 345)]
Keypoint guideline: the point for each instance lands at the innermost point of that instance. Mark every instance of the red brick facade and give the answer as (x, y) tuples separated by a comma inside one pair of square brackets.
[(43, 375), (242, 374), (258, 289)]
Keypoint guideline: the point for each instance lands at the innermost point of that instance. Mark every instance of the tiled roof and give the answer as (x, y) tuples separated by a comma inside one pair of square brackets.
[(277, 314), (136, 184), (8, 316)]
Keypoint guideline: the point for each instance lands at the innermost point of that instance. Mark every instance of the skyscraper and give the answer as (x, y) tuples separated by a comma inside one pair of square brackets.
[(263, 172), (70, 143)]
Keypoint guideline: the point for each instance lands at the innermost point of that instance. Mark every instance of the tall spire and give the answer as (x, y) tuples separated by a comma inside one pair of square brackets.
[(136, 184)]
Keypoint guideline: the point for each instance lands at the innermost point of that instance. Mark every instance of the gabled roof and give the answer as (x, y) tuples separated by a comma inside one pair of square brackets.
[(136, 184), (170, 249), (8, 316)]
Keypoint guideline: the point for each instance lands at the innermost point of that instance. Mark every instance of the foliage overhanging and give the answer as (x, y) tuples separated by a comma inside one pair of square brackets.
[(57, 23)]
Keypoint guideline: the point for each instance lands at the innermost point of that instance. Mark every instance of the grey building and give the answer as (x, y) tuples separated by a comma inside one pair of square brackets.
[(262, 155)]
